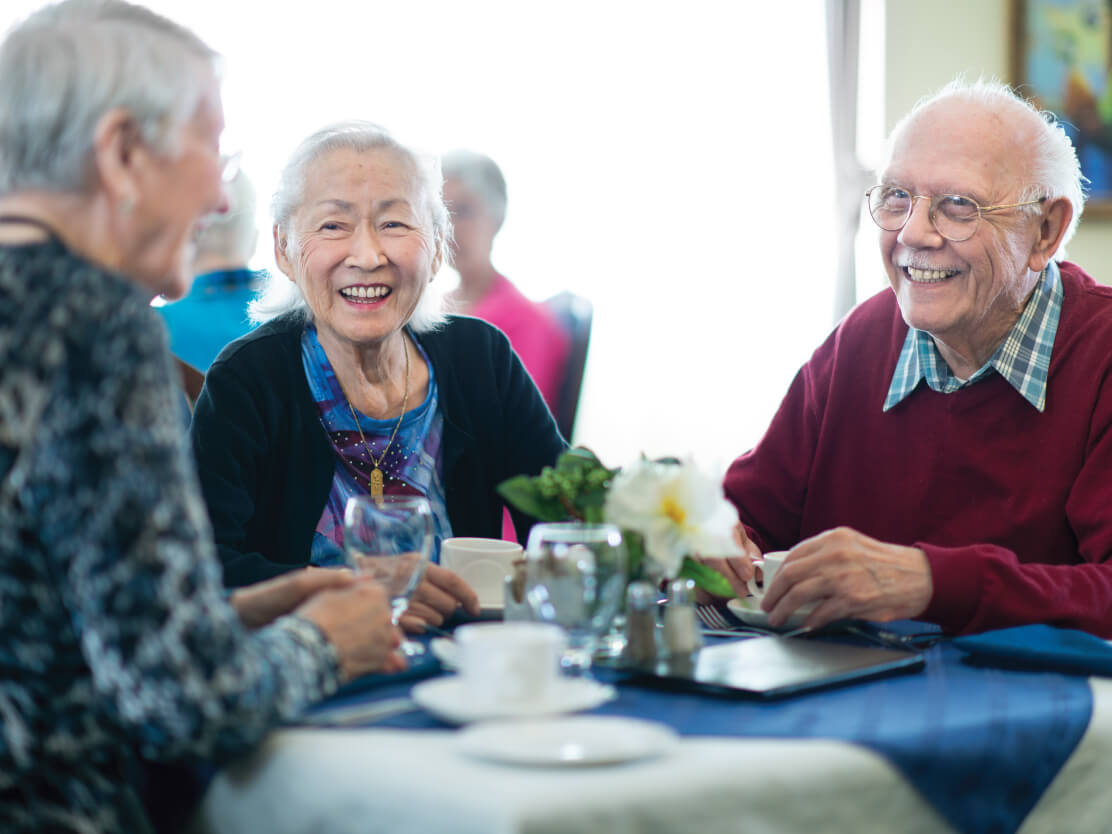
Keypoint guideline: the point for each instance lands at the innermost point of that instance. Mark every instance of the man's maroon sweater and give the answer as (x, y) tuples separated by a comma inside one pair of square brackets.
[(1013, 507)]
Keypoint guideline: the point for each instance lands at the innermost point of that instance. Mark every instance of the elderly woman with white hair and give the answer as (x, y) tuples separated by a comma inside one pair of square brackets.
[(475, 192), (118, 646), (358, 383)]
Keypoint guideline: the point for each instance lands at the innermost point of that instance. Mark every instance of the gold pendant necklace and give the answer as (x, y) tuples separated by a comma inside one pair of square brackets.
[(374, 480)]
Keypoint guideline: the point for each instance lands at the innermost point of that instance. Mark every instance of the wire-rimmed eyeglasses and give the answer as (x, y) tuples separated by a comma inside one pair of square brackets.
[(953, 215)]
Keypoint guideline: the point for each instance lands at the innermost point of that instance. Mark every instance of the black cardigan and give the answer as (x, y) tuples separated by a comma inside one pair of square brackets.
[(266, 465)]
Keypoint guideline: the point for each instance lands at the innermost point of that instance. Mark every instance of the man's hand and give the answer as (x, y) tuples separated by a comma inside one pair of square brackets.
[(440, 593), (848, 574), (262, 603), (737, 569)]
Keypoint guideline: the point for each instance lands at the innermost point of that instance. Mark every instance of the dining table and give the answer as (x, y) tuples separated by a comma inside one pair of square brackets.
[(960, 745)]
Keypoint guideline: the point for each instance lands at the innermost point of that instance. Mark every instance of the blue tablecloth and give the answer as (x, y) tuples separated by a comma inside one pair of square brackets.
[(980, 744)]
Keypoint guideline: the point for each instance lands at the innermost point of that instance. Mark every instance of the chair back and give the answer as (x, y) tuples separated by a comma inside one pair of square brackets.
[(574, 313), (192, 381)]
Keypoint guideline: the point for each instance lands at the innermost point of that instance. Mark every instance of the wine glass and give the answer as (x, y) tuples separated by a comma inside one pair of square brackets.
[(390, 538), (575, 575)]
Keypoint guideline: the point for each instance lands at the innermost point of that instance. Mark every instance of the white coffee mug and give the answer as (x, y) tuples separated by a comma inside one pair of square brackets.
[(481, 563), (769, 563), (509, 662)]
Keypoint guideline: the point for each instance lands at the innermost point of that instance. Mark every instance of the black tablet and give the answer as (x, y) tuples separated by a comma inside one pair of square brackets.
[(771, 667)]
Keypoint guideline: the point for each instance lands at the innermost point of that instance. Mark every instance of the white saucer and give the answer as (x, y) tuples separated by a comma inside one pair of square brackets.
[(748, 610), (448, 699), (582, 740), (444, 649)]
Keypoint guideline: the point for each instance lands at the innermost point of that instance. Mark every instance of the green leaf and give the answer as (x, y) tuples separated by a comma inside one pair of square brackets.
[(521, 492), (593, 515), (706, 578), (578, 456)]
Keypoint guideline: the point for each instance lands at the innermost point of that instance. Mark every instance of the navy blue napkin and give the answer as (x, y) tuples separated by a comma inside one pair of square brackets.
[(1035, 647)]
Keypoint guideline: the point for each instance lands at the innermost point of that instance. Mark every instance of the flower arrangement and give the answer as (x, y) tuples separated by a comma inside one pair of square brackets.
[(667, 509)]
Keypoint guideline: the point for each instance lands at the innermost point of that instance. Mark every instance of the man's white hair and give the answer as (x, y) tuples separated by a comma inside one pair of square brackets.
[(1054, 170)]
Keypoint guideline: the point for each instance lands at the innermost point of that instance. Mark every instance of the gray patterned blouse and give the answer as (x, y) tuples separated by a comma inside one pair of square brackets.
[(116, 642)]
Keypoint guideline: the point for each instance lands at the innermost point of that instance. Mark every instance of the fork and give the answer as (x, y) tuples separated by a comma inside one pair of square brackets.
[(711, 617), (715, 624)]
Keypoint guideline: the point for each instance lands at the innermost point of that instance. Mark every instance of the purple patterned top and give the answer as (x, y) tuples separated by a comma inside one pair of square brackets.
[(412, 465)]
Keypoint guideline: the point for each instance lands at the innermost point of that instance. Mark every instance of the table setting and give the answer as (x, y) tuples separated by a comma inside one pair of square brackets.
[(546, 714)]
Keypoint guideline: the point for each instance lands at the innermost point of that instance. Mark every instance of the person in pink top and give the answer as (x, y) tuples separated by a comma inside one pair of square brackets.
[(475, 192), (946, 454)]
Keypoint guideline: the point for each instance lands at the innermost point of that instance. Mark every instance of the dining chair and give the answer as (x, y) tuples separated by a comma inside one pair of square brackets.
[(575, 314), (192, 380)]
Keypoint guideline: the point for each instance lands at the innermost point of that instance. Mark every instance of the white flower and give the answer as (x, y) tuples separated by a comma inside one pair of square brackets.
[(679, 511)]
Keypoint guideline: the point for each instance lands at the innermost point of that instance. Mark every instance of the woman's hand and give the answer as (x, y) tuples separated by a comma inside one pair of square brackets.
[(737, 569), (440, 593), (262, 603), (357, 622)]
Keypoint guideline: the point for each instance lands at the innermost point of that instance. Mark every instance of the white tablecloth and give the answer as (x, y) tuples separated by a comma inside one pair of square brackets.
[(379, 780)]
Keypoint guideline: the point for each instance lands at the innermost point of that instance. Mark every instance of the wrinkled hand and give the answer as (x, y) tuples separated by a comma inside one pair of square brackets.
[(848, 574), (440, 593), (736, 569), (264, 602), (357, 622)]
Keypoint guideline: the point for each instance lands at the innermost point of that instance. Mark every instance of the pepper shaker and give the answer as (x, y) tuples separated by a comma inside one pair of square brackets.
[(640, 647)]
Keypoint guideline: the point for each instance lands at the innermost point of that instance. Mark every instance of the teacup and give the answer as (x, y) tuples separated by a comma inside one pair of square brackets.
[(509, 661), (481, 563), (769, 564)]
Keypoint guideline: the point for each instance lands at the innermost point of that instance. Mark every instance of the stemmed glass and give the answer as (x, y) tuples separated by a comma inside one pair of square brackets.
[(391, 539), (575, 575)]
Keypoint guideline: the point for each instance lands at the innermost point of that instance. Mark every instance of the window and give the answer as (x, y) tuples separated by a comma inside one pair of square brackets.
[(669, 161)]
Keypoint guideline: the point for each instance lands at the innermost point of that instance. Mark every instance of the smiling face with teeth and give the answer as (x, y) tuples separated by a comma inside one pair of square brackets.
[(363, 250), (966, 294)]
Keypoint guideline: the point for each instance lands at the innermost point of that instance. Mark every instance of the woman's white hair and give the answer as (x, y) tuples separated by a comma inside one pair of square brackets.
[(482, 175), (281, 295), (233, 235), (1054, 171), (66, 65)]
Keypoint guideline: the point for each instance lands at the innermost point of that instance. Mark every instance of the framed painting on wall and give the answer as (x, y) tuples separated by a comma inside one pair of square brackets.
[(1061, 60)]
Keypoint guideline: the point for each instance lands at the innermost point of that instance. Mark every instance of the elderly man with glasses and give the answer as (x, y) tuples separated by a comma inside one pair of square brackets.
[(946, 454)]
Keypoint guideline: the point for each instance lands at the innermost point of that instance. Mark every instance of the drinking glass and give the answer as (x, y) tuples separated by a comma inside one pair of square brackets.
[(391, 539), (575, 575)]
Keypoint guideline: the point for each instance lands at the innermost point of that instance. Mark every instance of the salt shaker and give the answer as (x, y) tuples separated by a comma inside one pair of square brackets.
[(640, 647), (681, 627)]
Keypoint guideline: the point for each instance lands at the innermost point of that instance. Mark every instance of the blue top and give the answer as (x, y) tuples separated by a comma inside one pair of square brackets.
[(213, 314)]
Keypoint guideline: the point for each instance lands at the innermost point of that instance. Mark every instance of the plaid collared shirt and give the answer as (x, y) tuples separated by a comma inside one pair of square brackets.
[(1023, 359)]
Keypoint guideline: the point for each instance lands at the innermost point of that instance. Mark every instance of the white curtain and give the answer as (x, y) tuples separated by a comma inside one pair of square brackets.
[(851, 178)]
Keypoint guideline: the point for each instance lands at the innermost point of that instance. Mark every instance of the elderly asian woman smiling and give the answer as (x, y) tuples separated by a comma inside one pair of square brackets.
[(357, 381)]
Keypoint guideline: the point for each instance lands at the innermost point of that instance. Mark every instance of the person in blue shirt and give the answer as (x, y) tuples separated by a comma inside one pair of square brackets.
[(215, 311)]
